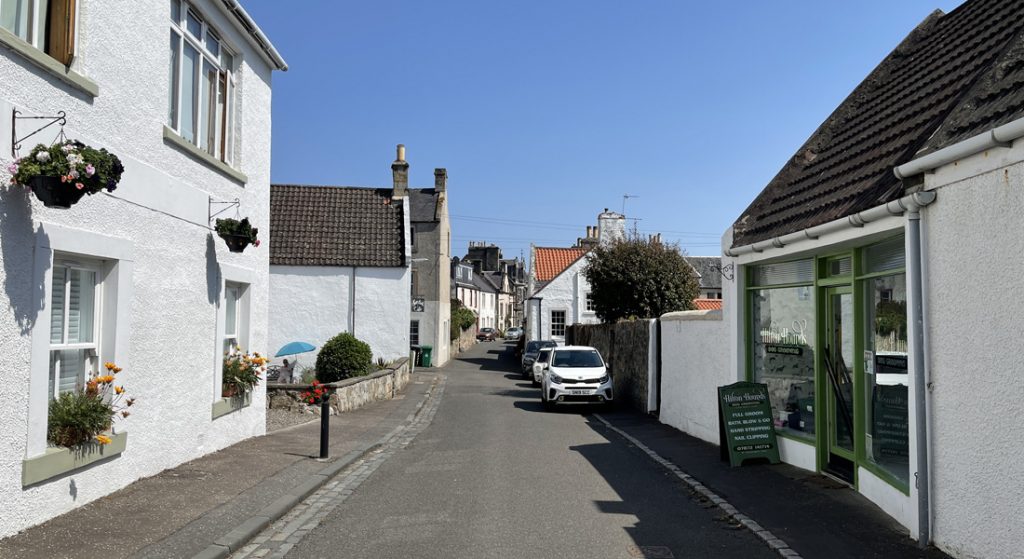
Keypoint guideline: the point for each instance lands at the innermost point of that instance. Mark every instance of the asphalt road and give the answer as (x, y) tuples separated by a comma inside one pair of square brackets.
[(493, 475)]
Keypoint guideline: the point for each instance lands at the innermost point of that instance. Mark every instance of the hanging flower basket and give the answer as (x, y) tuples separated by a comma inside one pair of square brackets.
[(237, 234), (61, 174)]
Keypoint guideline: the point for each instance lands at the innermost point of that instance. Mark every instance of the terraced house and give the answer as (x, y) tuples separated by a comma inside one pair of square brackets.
[(856, 292), (132, 274)]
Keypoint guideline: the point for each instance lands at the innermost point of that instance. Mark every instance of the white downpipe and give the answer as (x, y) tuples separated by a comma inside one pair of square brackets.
[(897, 207), (916, 323)]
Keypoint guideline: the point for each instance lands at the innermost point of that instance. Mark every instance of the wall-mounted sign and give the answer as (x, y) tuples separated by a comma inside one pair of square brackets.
[(746, 428), (418, 304)]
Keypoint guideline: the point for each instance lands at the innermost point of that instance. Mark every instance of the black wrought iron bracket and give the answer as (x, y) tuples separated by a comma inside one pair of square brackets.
[(60, 119), (210, 214), (726, 271)]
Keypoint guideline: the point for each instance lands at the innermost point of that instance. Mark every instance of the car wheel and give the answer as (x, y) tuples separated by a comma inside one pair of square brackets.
[(534, 382)]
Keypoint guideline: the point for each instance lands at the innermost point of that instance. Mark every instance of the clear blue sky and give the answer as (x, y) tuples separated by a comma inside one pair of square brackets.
[(547, 112)]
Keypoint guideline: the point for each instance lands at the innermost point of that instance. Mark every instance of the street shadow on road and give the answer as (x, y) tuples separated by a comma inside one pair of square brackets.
[(515, 393), (487, 363), (529, 405), (669, 521)]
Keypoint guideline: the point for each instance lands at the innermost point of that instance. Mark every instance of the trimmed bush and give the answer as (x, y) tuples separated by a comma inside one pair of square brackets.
[(342, 357)]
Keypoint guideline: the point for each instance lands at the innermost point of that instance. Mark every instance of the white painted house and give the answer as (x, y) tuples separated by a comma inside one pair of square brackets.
[(134, 276), (853, 290), (558, 293), (339, 262)]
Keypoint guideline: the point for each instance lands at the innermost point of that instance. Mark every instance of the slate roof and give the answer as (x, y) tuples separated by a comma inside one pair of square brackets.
[(549, 262), (335, 226), (954, 76), (707, 267), (483, 283), (423, 204)]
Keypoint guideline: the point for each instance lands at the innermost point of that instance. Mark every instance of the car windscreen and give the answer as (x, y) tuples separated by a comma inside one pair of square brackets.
[(532, 346), (577, 358), (543, 356)]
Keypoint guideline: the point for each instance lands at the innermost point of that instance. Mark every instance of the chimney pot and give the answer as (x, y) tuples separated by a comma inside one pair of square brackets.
[(400, 174), (401, 153)]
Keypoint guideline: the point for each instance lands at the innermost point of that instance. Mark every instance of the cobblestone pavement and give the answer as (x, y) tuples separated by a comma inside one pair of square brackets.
[(280, 537)]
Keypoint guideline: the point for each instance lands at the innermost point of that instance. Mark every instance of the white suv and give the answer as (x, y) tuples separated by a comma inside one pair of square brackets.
[(575, 375)]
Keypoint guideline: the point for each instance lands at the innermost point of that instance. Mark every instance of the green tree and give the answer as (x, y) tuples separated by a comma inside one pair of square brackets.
[(638, 278), (462, 318)]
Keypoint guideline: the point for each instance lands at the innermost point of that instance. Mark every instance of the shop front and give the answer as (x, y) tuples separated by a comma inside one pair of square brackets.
[(827, 333)]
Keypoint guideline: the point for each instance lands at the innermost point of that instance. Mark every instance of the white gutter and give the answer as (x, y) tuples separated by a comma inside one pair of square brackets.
[(1001, 136), (910, 203), (256, 34)]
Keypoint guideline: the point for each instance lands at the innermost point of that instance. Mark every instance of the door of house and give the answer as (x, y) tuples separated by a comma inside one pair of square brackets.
[(838, 362)]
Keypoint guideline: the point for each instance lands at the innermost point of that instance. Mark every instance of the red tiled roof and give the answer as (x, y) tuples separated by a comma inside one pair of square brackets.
[(549, 262), (708, 304)]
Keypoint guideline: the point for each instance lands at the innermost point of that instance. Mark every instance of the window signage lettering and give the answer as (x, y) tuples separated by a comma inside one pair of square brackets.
[(784, 349)]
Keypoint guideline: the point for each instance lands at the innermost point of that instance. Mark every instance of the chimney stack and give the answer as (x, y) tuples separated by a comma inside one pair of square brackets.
[(440, 179), (400, 174)]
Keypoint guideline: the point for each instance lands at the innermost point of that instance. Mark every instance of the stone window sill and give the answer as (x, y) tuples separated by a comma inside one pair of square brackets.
[(225, 406), (48, 64), (59, 460), (172, 137)]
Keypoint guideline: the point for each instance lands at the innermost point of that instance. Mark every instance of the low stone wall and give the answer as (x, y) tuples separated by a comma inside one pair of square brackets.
[(465, 341), (349, 394)]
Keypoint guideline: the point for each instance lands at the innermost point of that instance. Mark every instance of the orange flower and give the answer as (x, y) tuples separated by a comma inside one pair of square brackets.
[(118, 389), (102, 439)]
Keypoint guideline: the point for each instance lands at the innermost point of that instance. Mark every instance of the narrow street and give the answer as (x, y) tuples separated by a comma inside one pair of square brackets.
[(493, 475)]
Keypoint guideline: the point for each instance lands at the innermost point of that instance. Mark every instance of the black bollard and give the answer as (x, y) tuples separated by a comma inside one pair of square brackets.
[(325, 425)]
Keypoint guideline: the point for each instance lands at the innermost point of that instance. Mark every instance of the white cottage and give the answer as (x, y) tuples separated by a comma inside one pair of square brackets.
[(875, 285), (133, 276), (339, 262)]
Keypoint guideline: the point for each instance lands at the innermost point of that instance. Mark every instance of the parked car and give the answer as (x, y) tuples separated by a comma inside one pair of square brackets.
[(513, 333), (530, 351), (487, 335), (575, 375), (537, 370)]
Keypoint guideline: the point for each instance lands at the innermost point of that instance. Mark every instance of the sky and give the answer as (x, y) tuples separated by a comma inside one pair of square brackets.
[(546, 112)]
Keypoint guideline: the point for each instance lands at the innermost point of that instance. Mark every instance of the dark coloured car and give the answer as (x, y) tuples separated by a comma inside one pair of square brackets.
[(487, 335), (530, 351)]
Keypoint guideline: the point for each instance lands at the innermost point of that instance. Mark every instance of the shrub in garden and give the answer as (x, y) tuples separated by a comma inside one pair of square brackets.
[(342, 357), (78, 417)]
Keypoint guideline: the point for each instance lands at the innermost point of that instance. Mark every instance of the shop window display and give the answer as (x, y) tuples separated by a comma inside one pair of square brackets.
[(783, 354), (885, 367)]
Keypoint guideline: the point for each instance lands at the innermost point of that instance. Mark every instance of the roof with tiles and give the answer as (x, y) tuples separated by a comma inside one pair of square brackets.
[(549, 262), (707, 304), (708, 269), (335, 226), (956, 75)]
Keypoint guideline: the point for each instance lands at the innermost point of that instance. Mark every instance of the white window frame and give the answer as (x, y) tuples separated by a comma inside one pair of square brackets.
[(233, 291), (71, 262), (414, 326), (112, 311), (588, 303), (243, 278), (565, 316), (224, 128)]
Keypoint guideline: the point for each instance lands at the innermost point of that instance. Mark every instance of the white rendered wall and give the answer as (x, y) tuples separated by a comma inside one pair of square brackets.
[(694, 363), (168, 345), (974, 242), (565, 292), (314, 303)]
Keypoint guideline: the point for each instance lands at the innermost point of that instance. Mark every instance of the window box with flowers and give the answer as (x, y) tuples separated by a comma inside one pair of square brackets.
[(61, 174), (241, 374), (237, 234), (80, 428)]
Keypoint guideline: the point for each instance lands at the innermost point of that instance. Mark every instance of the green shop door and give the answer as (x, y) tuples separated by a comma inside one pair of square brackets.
[(838, 360)]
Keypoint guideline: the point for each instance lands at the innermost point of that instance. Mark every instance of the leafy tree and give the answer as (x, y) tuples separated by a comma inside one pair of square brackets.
[(638, 278), (462, 318)]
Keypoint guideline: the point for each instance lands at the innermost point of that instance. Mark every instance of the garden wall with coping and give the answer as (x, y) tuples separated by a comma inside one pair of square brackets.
[(349, 394), (465, 341)]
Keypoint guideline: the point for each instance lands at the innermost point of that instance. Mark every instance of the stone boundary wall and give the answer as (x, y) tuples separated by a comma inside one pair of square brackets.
[(466, 340), (626, 346), (349, 394)]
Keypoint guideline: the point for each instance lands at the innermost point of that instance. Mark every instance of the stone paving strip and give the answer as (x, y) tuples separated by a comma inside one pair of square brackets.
[(283, 534), (779, 546)]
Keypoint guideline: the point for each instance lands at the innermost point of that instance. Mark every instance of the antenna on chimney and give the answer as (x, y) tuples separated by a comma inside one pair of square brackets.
[(626, 197)]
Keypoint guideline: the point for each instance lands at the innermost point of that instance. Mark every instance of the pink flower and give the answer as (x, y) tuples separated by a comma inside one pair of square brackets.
[(90, 170), (12, 168), (257, 243), (73, 174), (79, 185)]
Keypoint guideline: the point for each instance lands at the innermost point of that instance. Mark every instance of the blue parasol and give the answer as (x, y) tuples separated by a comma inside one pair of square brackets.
[(292, 348)]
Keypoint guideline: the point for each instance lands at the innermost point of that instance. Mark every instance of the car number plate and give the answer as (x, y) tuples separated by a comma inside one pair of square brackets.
[(579, 392)]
